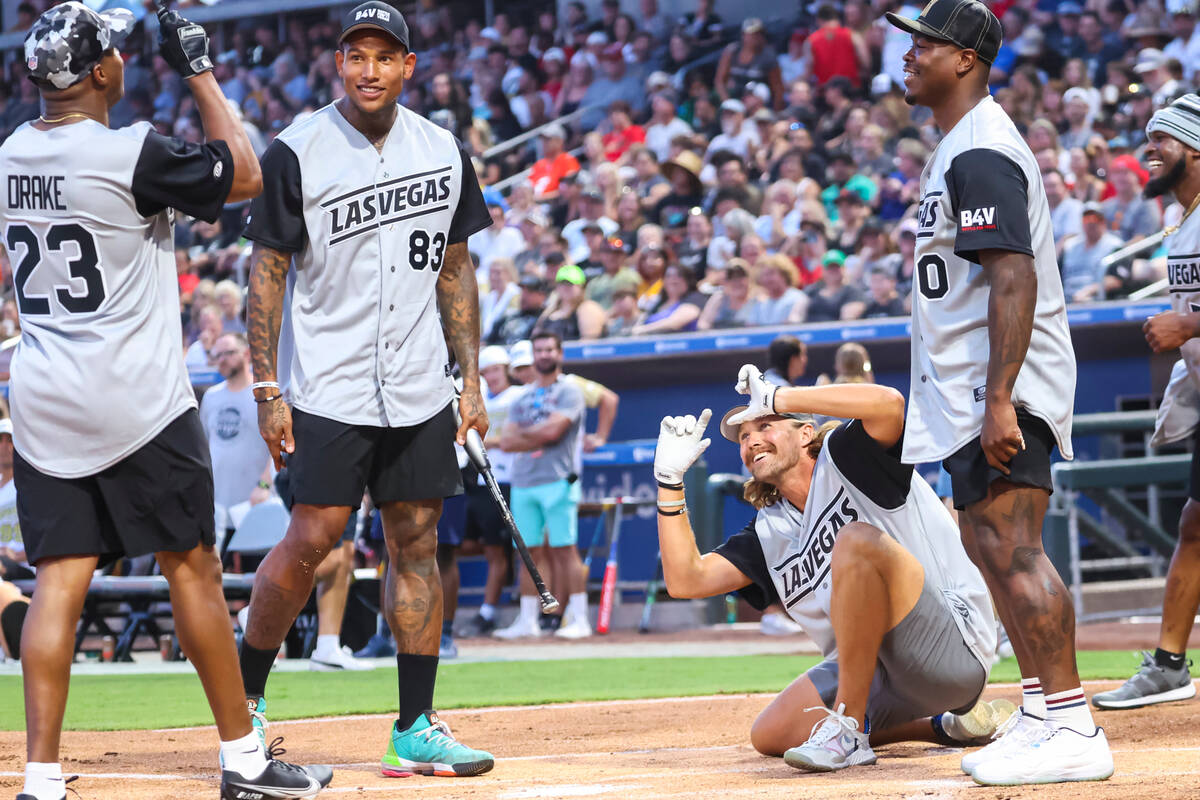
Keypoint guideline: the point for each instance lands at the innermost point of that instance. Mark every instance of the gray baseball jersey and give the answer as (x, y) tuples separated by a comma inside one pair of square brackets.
[(1183, 271), (87, 224), (786, 551), (981, 190), (368, 232)]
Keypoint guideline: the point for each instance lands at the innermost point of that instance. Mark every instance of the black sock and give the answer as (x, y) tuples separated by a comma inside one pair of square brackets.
[(415, 676), (256, 667), (448, 628), (1167, 659)]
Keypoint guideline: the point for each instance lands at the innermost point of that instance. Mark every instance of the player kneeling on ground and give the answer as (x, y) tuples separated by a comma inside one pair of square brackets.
[(860, 551)]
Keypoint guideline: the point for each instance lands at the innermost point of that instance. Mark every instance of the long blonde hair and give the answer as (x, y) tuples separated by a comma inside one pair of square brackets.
[(760, 494)]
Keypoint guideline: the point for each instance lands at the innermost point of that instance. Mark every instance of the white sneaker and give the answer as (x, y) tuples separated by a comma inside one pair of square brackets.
[(1063, 755), (978, 725), (522, 628), (1020, 729), (577, 628), (778, 625), (340, 660), (243, 617), (834, 743)]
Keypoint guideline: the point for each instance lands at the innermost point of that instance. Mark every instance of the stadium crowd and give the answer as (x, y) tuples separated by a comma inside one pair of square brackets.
[(718, 173)]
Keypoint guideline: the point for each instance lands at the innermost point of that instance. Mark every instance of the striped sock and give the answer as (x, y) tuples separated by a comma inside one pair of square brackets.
[(1069, 709), (1032, 699)]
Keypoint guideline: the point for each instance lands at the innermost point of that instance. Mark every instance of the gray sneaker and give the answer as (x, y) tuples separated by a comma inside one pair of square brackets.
[(1150, 684)]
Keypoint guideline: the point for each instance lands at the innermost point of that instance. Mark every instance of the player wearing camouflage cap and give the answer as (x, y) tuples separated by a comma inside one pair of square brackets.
[(110, 456)]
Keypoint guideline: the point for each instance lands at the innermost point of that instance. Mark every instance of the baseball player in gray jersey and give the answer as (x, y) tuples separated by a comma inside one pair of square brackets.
[(111, 459), (1173, 156), (369, 207), (993, 379)]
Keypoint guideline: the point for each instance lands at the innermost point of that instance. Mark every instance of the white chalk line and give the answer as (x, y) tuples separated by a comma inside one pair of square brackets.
[(554, 706)]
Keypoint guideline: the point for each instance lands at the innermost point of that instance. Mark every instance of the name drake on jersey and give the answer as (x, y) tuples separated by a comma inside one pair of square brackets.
[(801, 572), (1184, 272), (36, 192), (379, 204)]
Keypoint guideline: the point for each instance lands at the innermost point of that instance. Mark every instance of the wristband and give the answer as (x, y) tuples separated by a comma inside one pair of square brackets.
[(671, 503), (677, 487), (267, 399), (264, 385), (662, 513)]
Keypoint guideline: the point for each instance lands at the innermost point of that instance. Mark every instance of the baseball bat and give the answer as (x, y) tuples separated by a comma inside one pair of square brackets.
[(600, 523), (608, 589), (478, 455), (651, 594)]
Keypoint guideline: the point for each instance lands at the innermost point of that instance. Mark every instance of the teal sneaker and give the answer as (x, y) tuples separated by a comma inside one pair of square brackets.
[(428, 748), (258, 717)]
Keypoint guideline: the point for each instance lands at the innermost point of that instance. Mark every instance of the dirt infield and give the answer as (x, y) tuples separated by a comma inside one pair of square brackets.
[(647, 749)]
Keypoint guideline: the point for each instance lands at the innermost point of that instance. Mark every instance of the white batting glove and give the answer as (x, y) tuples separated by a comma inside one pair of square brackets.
[(679, 445), (762, 395)]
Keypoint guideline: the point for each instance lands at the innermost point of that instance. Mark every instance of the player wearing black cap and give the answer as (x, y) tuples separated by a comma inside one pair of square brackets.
[(110, 456), (993, 379), (361, 233)]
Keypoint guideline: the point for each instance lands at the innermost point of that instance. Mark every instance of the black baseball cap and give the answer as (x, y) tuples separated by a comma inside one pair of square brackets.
[(378, 16), (967, 23)]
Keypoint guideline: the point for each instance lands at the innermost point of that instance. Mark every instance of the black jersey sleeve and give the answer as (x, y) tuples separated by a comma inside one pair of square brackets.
[(277, 215), (192, 178), (472, 213), (873, 470), (990, 200), (744, 552)]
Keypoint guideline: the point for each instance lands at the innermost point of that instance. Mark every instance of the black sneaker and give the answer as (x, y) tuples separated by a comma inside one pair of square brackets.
[(480, 627), (279, 780)]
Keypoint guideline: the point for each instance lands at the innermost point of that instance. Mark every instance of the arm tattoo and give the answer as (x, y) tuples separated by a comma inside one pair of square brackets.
[(1011, 305), (268, 279), (458, 303)]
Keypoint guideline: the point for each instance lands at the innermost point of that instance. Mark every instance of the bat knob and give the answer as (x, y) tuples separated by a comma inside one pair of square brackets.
[(549, 604)]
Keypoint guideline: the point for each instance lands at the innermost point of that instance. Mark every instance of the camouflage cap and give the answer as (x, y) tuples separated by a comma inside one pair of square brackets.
[(69, 39)]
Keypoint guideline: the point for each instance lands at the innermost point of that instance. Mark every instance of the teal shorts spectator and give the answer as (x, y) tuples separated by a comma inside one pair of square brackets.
[(553, 506)]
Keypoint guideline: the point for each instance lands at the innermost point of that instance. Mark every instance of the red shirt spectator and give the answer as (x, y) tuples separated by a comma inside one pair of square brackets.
[(624, 133), (831, 49)]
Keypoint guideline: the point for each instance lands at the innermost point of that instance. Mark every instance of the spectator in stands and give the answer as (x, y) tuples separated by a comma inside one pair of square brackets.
[(229, 300), (851, 364), (622, 132), (201, 353), (787, 360), (498, 240), (554, 164), (832, 299), (1066, 213), (1096, 47), (1185, 42), (703, 26), (737, 136), (750, 60), (591, 212), (683, 172), (629, 216), (664, 125), (571, 316), (1130, 215), (648, 184), (616, 83), (1077, 108), (733, 183), (677, 307), (780, 301), (543, 431), (884, 300), (731, 305), (13, 563), (793, 64), (602, 289), (843, 175), (1082, 275), (779, 219), (518, 323), (834, 50), (554, 68), (903, 262), (576, 84), (623, 314), (503, 122), (500, 293), (692, 251), (852, 214), (531, 105)]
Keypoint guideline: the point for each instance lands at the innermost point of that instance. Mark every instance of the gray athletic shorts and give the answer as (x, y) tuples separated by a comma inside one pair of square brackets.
[(924, 668)]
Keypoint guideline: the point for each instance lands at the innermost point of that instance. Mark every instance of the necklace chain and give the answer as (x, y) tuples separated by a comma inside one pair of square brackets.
[(52, 120), (1167, 231)]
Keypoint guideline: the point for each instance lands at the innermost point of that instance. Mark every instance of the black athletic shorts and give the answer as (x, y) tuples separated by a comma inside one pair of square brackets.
[(160, 497), (1194, 475), (12, 620), (971, 474), (484, 521), (335, 461)]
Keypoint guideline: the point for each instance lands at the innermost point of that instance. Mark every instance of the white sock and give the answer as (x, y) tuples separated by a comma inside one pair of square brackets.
[(1069, 709), (487, 611), (1032, 699), (44, 781), (577, 605), (244, 756), (326, 643), (530, 607)]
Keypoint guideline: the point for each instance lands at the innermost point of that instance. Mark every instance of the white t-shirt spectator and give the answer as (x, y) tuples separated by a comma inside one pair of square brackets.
[(1081, 264), (658, 137), (197, 356), (239, 454), (491, 243), (577, 249)]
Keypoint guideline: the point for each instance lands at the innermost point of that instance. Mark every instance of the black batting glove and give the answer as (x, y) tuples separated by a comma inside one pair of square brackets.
[(183, 44)]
